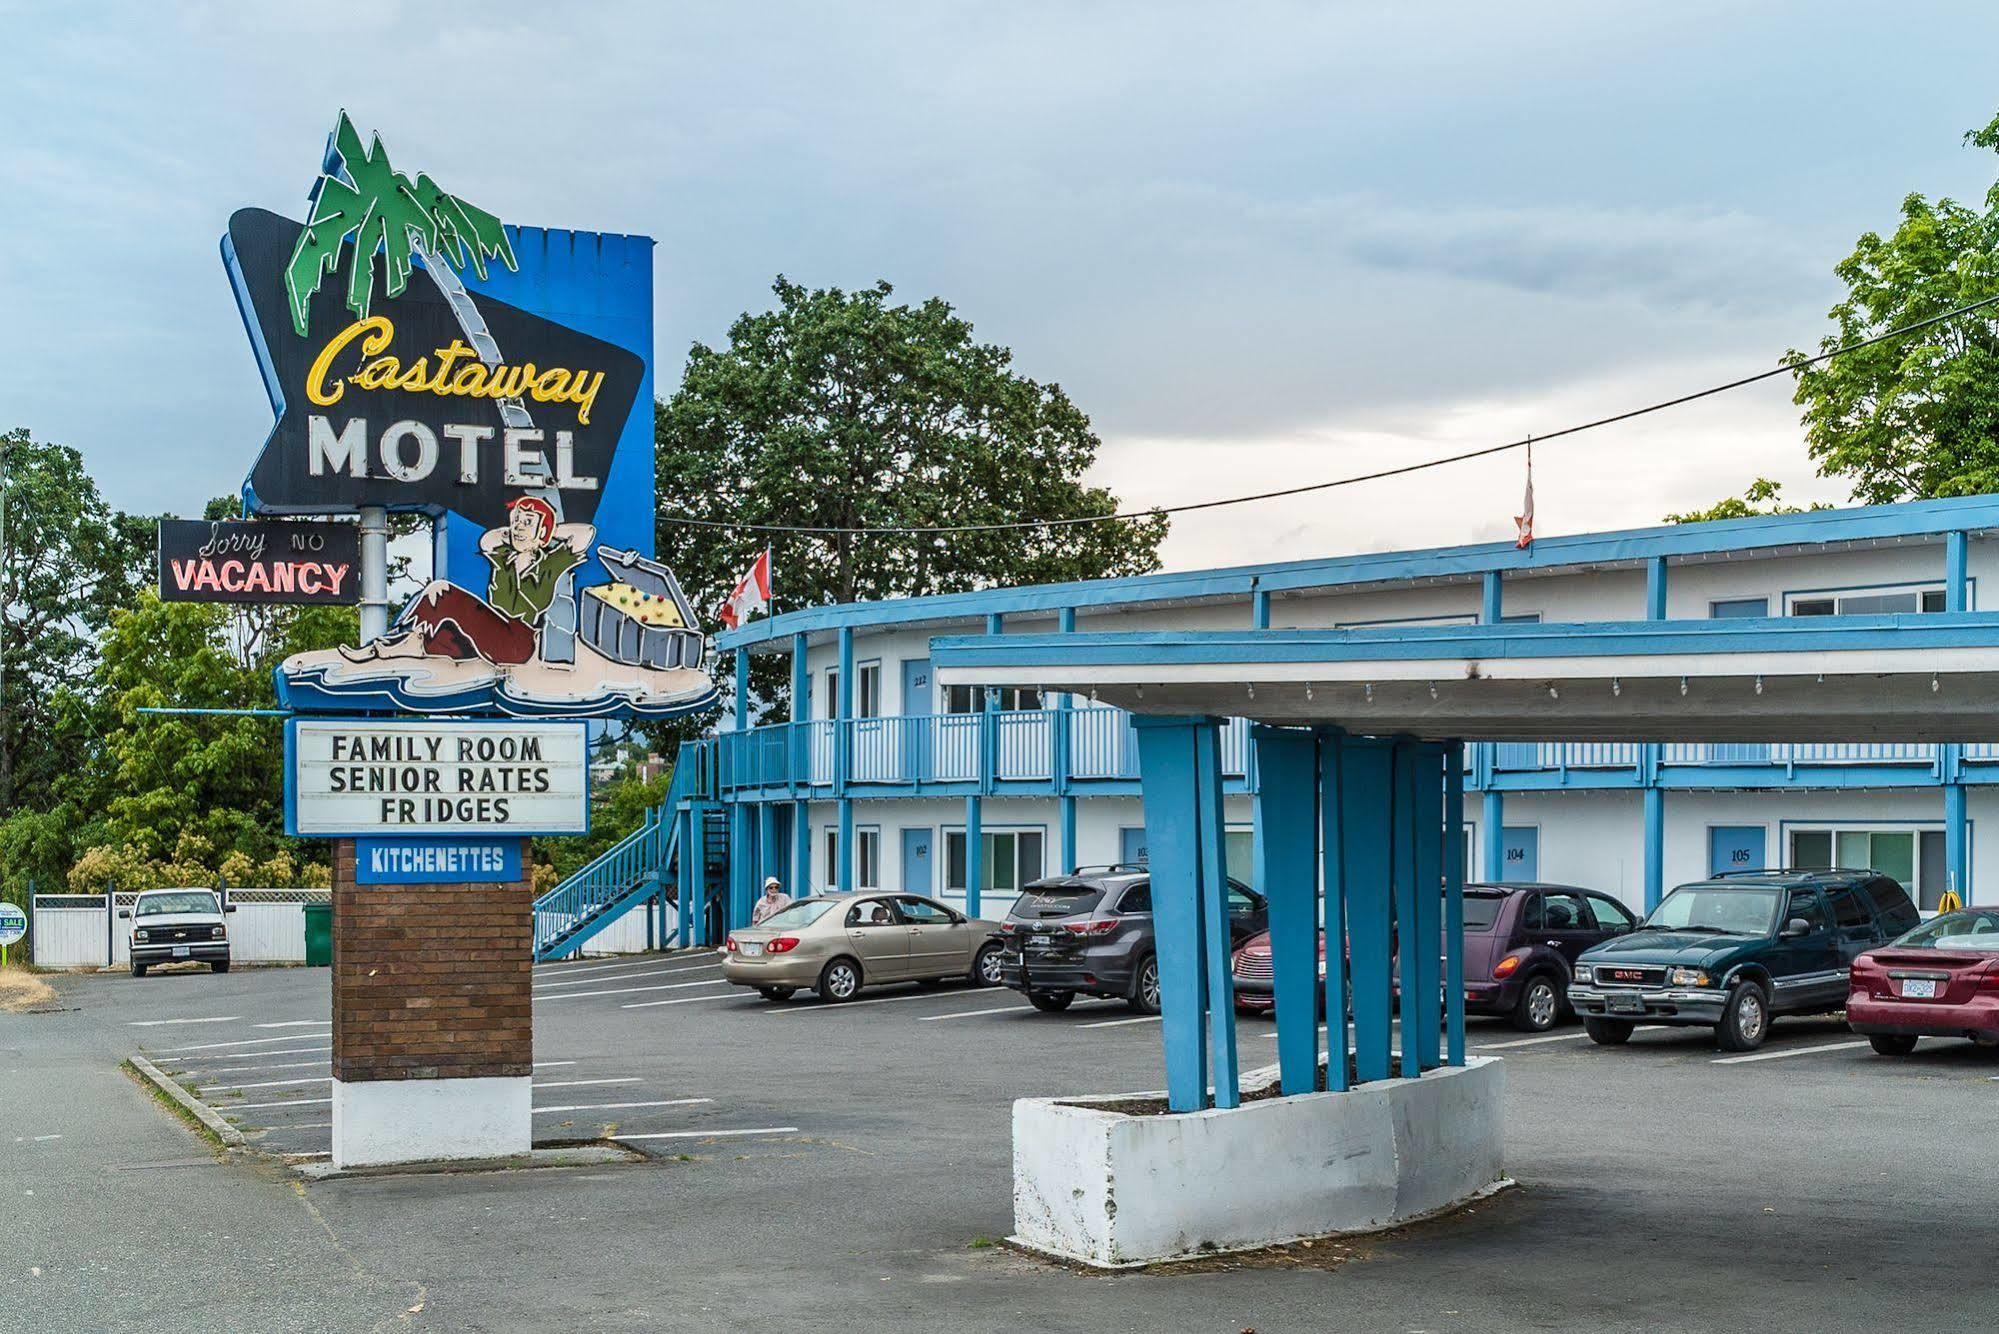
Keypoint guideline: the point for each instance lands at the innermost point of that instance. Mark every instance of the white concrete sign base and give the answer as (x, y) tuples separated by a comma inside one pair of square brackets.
[(382, 1121), (1105, 1187)]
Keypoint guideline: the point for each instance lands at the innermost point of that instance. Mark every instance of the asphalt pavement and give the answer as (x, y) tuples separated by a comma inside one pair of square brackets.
[(848, 1168)]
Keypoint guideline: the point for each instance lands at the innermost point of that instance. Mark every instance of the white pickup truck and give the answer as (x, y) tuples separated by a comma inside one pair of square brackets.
[(169, 925)]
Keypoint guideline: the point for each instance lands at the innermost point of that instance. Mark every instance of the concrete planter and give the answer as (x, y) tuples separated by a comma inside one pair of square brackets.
[(1100, 1185)]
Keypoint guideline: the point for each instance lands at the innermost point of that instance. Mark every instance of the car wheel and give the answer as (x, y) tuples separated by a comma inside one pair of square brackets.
[(1745, 1020), (986, 967), (839, 981), (1539, 1006), (138, 970), (220, 965), (1608, 1032), (776, 993), (1891, 1044), (1051, 1001), (1145, 986)]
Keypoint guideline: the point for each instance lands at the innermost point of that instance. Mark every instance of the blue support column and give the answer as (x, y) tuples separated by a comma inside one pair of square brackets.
[(1366, 788), (1492, 606), (1180, 769), (1454, 903), (1402, 883), (1957, 571), (1655, 846), (1065, 622), (766, 845), (1286, 871), (842, 875), (1259, 610), (975, 854), (1332, 855), (690, 873), (1425, 1015), (1956, 842), (801, 854), (741, 866), (741, 704), (1493, 813), (1655, 589), (798, 754)]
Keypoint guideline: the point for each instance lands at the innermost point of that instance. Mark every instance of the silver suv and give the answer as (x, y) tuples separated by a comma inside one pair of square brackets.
[(169, 925)]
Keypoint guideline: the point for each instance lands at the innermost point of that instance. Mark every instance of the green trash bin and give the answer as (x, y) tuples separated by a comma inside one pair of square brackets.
[(319, 935)]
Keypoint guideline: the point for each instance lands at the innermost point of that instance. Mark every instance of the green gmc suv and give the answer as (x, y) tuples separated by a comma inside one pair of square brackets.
[(1735, 952)]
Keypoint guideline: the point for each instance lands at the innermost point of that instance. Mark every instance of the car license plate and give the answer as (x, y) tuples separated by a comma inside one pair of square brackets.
[(180, 951), (752, 948), (1919, 988), (1625, 1003)]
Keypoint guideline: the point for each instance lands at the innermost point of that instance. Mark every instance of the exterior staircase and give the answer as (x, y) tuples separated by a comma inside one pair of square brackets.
[(643, 865)]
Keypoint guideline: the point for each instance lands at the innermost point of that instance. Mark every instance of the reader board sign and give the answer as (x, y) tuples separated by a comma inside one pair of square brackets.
[(205, 560), (436, 861), (372, 778)]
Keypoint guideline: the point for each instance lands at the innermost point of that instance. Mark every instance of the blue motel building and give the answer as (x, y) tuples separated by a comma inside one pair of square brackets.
[(882, 776)]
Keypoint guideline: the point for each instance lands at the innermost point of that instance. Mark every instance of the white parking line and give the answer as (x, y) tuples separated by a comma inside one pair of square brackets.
[(1530, 1042), (296, 1023), (972, 1014), (255, 1106), (1794, 1051), (878, 1000), (684, 1000), (567, 969), (244, 1069), (1118, 1023), (619, 977), (579, 1083), (245, 1042), (280, 1083), (238, 1055), (304, 1125), (711, 1134), (620, 1106), (539, 1064), (626, 991), (161, 1023)]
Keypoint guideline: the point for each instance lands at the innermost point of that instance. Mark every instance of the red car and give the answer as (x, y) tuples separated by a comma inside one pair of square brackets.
[(1940, 980)]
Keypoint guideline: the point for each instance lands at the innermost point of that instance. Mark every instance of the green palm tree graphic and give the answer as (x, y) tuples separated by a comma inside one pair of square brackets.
[(383, 211)]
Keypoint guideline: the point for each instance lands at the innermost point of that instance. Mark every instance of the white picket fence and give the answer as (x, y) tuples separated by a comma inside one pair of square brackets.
[(84, 930)]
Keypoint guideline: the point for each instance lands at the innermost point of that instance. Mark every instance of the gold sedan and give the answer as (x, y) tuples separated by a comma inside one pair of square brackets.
[(837, 943)]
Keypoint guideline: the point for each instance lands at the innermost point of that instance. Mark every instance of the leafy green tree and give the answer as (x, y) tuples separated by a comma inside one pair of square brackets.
[(1763, 497), (844, 410), (1916, 416), (70, 561)]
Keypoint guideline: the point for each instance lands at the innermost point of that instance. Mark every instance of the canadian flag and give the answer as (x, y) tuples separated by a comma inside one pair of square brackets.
[(1524, 520), (752, 594)]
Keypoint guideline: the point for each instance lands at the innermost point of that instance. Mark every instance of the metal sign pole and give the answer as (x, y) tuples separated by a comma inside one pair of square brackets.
[(374, 572)]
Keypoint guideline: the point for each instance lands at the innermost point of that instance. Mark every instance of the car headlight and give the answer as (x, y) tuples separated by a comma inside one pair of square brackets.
[(142, 934), (1687, 977), (218, 933), (1582, 974)]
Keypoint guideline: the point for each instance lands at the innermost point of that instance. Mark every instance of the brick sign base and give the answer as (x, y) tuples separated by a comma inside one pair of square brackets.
[(433, 1020)]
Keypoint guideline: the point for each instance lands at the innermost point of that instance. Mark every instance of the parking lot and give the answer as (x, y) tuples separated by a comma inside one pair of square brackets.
[(847, 1167)]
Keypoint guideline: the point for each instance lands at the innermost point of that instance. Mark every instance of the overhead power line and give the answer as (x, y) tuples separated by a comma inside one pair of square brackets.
[(812, 530)]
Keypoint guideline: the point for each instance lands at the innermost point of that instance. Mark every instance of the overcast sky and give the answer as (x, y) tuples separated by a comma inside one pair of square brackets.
[(1259, 244)]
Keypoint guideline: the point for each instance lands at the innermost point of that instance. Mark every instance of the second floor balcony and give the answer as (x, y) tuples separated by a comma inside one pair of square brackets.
[(1093, 748)]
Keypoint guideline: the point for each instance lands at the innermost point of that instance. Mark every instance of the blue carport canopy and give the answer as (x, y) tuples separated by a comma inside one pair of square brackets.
[(1916, 678)]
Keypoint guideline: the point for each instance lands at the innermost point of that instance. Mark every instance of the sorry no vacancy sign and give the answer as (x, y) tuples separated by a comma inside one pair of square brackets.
[(225, 561)]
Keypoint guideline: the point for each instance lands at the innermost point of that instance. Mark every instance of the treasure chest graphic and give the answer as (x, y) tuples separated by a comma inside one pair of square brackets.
[(641, 617)]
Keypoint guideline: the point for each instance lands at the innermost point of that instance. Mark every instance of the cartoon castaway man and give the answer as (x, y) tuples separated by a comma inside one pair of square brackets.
[(530, 556)]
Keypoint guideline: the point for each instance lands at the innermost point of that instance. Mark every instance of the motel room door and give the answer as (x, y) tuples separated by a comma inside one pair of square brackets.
[(1520, 852), (918, 702), (1735, 848), (917, 863)]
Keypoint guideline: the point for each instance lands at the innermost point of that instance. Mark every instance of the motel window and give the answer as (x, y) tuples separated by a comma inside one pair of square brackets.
[(832, 878), (1739, 608), (868, 690), (968, 699), (1912, 856), (1868, 601), (867, 858), (832, 693), (1013, 857), (1239, 851)]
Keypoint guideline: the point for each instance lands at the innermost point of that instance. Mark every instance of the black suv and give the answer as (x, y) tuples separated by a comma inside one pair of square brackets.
[(1734, 952), (1091, 932)]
